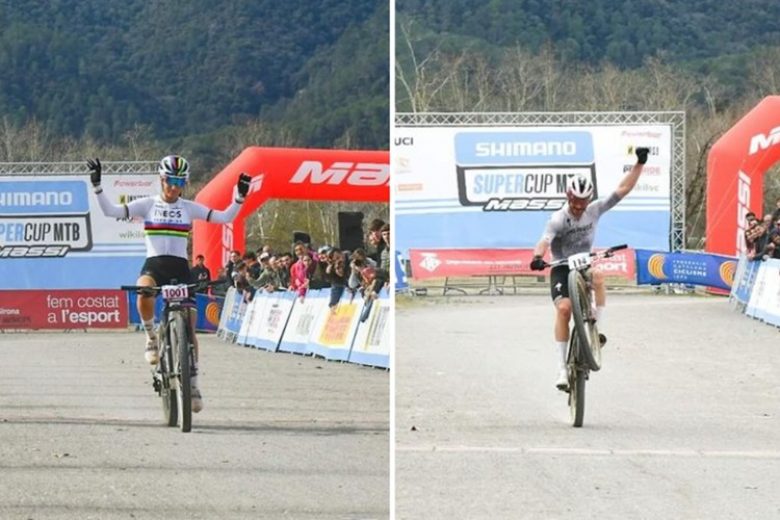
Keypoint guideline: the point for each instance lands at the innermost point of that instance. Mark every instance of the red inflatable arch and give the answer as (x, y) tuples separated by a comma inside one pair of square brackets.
[(292, 174), (735, 175)]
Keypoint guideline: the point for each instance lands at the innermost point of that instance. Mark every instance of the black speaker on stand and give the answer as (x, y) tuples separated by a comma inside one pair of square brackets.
[(350, 230)]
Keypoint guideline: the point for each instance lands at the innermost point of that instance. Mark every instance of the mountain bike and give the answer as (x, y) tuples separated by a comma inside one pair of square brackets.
[(584, 352), (176, 365)]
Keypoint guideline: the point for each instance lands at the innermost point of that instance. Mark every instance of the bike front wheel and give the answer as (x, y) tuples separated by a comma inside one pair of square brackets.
[(577, 378), (584, 321), (180, 346)]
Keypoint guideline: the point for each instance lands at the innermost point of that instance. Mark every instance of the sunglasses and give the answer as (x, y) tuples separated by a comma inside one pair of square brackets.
[(175, 181)]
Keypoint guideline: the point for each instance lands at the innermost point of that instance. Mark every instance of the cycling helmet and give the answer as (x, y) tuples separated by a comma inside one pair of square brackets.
[(579, 186), (174, 169)]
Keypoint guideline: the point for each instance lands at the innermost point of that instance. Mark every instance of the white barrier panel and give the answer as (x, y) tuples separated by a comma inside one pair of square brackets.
[(271, 322), (246, 322), (303, 317), (261, 302), (335, 329), (753, 308), (372, 341), (227, 306)]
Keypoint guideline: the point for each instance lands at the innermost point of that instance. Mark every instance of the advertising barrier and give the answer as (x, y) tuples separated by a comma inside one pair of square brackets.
[(63, 309), (656, 267), (209, 309), (436, 263), (303, 318), (744, 279), (372, 341), (283, 322), (401, 283)]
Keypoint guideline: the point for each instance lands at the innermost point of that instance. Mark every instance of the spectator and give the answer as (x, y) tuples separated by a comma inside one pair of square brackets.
[(235, 257), (362, 269), (776, 212), (253, 266), (224, 283), (338, 276), (374, 240), (772, 247), (285, 263), (753, 231), (269, 278), (382, 277), (319, 277), (200, 273), (300, 275)]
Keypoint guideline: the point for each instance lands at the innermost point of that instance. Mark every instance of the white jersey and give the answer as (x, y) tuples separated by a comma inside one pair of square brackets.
[(167, 225), (568, 236)]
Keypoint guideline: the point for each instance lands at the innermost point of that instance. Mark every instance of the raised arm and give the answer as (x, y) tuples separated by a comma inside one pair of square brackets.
[(135, 208), (630, 180), (228, 214)]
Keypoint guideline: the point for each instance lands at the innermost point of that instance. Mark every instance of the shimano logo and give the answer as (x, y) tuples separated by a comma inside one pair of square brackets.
[(354, 174), (525, 149), (743, 208), (762, 142), (36, 198)]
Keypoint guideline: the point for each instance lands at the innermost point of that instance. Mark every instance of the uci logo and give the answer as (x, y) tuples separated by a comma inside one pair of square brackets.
[(404, 141)]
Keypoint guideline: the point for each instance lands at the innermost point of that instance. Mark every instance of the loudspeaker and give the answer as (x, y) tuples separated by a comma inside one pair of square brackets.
[(350, 230), (300, 236)]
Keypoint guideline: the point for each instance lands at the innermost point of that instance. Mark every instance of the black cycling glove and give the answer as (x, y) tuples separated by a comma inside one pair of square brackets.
[(95, 170), (641, 155), (537, 264), (243, 185)]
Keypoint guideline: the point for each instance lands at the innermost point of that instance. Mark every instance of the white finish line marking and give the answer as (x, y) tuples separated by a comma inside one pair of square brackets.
[(604, 452)]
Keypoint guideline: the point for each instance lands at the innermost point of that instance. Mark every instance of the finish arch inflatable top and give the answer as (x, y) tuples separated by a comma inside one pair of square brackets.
[(735, 175), (291, 174)]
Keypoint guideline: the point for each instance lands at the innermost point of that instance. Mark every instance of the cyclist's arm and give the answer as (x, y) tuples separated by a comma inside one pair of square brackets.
[(550, 231), (200, 212), (629, 181), (135, 208)]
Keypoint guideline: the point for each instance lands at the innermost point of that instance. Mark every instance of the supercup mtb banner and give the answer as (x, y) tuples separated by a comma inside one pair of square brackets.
[(495, 187), (53, 234)]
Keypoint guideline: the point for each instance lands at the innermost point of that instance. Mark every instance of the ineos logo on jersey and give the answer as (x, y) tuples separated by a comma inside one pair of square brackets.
[(354, 174), (762, 142), (168, 213)]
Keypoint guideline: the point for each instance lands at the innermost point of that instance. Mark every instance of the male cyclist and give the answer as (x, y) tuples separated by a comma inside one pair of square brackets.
[(569, 231), (167, 224)]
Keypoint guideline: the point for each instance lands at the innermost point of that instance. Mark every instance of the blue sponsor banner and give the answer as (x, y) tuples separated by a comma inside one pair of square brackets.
[(656, 267), (208, 307), (518, 148), (401, 283), (43, 197)]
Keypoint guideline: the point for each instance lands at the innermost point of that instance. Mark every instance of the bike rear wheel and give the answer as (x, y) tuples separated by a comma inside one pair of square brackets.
[(584, 321), (180, 346)]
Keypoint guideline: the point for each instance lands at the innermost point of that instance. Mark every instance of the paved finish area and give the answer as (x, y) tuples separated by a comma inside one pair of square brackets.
[(683, 421), (281, 436)]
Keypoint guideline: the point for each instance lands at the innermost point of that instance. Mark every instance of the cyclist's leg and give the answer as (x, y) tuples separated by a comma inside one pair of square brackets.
[(560, 294), (145, 305)]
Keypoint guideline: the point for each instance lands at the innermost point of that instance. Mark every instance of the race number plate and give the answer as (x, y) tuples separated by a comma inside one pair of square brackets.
[(579, 261), (174, 293)]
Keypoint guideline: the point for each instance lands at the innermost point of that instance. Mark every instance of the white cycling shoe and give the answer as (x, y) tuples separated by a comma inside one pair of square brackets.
[(562, 383), (197, 400), (151, 354)]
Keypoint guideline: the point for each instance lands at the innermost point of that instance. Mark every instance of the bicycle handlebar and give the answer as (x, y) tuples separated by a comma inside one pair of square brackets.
[(154, 288), (603, 254)]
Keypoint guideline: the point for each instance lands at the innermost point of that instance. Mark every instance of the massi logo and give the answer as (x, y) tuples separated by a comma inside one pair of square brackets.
[(430, 262), (761, 142), (521, 170)]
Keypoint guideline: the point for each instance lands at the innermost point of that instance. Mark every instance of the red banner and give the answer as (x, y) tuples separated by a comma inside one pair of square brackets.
[(63, 309), (440, 263)]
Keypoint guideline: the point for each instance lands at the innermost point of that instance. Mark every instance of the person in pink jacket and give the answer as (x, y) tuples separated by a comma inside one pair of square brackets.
[(300, 273)]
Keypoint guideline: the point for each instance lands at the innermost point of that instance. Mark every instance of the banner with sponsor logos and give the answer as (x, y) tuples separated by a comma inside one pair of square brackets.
[(744, 279), (63, 309), (303, 318), (372, 341), (654, 267), (209, 309), (495, 187), (271, 320), (335, 329), (437, 263), (401, 283), (53, 234)]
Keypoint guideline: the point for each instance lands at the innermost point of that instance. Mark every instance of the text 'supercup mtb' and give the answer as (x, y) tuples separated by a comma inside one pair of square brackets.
[(584, 353), (171, 376)]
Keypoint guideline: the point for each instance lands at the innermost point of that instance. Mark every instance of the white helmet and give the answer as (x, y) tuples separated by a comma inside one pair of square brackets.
[(174, 169), (579, 186)]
